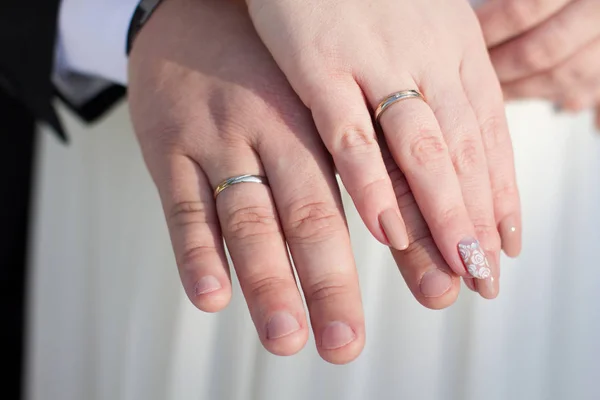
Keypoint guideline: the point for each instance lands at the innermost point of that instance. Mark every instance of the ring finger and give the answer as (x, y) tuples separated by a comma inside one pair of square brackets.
[(251, 229), (418, 146)]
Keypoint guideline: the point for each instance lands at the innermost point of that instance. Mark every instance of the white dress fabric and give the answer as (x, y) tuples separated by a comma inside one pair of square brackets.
[(109, 320)]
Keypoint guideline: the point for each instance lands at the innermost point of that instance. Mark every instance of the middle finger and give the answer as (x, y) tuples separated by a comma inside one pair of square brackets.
[(250, 226), (308, 199)]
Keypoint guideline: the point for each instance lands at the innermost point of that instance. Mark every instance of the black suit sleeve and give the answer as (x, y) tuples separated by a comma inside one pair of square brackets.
[(27, 43)]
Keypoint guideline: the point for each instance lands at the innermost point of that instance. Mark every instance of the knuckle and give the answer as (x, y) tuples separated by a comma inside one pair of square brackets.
[(421, 246), (190, 216), (428, 150), (190, 212), (448, 218), (506, 193), (374, 188), (312, 222), (494, 131), (355, 140), (485, 227), (328, 288), (547, 52), (467, 157), (538, 54), (529, 57), (193, 253), (261, 286), (252, 222)]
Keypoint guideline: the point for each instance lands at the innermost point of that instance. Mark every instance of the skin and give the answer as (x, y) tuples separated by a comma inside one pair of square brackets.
[(205, 110), (548, 49), (343, 58)]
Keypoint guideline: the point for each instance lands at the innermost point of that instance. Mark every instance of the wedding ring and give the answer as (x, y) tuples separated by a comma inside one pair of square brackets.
[(240, 179), (395, 98)]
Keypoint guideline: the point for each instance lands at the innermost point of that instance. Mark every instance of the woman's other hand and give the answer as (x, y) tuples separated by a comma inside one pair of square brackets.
[(546, 49)]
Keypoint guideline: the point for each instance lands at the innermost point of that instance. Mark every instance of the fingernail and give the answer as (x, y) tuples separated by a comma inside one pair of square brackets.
[(281, 324), (394, 229), (511, 237), (487, 288), (474, 259), (337, 334), (435, 283), (206, 285)]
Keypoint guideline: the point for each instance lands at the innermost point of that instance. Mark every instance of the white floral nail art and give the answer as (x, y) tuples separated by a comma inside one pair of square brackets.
[(474, 259)]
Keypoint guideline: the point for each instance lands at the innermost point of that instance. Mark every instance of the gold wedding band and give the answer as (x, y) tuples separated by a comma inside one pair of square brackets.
[(240, 179), (395, 98)]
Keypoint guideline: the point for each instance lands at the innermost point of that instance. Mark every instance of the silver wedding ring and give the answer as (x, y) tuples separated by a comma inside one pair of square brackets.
[(395, 98), (240, 179)]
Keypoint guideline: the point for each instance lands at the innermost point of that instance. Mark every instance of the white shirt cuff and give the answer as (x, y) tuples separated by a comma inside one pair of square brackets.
[(92, 38)]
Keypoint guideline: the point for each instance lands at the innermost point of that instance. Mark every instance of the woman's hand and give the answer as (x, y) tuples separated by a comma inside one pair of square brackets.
[(548, 49), (344, 57), (208, 102)]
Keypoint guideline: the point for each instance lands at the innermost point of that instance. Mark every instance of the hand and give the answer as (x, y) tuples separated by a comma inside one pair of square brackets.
[(548, 49), (205, 110), (344, 57)]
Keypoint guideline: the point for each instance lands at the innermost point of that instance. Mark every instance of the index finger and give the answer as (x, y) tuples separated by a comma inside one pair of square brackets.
[(502, 20)]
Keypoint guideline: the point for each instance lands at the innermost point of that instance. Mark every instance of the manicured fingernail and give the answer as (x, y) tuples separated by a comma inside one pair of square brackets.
[(281, 324), (394, 229), (435, 283), (487, 288), (511, 237), (337, 334), (474, 258), (207, 284)]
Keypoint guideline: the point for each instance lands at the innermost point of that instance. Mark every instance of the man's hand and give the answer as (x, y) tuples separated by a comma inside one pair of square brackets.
[(548, 49), (207, 103)]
